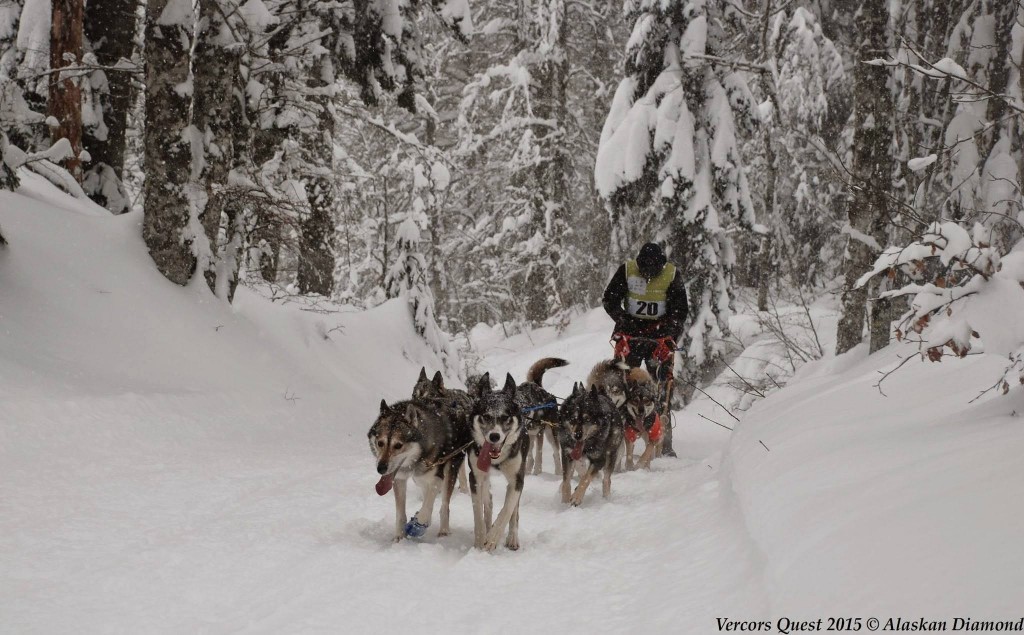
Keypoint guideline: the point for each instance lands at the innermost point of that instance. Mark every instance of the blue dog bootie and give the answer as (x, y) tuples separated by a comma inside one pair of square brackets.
[(414, 528)]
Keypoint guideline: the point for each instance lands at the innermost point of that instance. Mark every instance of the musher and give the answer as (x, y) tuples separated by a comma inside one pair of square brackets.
[(647, 300)]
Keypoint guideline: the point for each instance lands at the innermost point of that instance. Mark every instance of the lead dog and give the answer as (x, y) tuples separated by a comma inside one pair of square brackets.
[(591, 434), (414, 439), (500, 441)]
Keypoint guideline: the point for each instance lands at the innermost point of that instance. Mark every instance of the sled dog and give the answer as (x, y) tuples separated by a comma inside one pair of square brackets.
[(417, 439), (499, 441), (610, 377), (457, 402), (640, 420), (591, 434), (540, 411)]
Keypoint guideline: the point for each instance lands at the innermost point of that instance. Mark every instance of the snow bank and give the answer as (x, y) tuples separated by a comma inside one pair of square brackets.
[(906, 505), (85, 312)]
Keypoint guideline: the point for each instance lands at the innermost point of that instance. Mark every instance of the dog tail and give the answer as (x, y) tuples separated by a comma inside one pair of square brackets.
[(536, 373)]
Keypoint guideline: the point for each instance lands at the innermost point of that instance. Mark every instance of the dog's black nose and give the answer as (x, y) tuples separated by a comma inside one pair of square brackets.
[(494, 437), (382, 468)]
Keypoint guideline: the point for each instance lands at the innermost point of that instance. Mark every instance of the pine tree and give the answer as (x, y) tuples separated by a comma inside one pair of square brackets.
[(669, 162)]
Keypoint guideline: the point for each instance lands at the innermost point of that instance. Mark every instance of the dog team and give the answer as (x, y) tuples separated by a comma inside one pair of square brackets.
[(429, 436)]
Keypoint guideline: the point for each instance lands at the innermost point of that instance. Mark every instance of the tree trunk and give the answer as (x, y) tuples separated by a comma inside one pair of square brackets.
[(65, 96), (216, 74), (110, 28), (316, 247), (869, 209), (545, 290), (764, 257), (167, 155)]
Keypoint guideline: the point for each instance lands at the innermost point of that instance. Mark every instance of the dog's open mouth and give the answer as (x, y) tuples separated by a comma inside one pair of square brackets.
[(577, 451), (488, 453), (385, 483)]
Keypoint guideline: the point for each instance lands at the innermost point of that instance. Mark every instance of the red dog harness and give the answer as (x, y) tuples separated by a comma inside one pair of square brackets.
[(662, 352), (633, 433)]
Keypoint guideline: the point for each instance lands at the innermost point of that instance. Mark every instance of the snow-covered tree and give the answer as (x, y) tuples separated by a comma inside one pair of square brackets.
[(669, 162), (526, 135), (804, 86), (408, 275)]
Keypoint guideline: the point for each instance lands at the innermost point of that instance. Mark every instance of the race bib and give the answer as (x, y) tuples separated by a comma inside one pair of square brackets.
[(646, 309)]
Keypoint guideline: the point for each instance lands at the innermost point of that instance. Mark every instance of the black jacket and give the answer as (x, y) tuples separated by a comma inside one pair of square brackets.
[(676, 307)]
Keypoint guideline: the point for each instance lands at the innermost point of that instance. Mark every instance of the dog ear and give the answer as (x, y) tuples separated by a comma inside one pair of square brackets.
[(594, 391), (575, 388), (423, 374), (414, 415), (438, 381), (483, 385), (510, 385), (384, 407)]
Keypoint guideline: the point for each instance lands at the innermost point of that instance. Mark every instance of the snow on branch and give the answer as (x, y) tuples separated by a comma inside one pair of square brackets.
[(963, 293)]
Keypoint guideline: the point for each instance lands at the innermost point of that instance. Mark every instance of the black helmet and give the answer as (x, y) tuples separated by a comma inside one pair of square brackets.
[(651, 260)]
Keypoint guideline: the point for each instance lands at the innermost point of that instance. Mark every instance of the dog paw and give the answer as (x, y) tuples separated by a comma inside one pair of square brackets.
[(415, 529), (576, 500), (441, 533), (490, 545), (399, 537), (512, 545)]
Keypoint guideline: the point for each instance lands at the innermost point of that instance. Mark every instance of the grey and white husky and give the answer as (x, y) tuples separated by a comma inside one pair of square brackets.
[(415, 439), (500, 441), (591, 434)]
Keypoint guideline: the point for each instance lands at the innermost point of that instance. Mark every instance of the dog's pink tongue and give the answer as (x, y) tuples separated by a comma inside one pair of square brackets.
[(384, 484), (577, 451), (483, 461)]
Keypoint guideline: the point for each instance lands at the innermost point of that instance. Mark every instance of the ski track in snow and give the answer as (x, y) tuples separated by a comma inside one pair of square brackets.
[(205, 514)]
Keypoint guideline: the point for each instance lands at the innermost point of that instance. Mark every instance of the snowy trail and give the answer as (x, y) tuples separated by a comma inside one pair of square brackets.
[(197, 467), (229, 512)]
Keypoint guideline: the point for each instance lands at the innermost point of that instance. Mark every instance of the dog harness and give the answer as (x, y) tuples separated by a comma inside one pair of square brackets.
[(645, 298), (654, 434)]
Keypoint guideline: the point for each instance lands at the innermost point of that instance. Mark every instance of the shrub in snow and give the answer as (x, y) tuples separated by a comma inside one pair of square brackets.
[(964, 295)]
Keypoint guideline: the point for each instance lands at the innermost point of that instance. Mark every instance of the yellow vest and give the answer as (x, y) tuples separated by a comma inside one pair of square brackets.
[(646, 299)]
